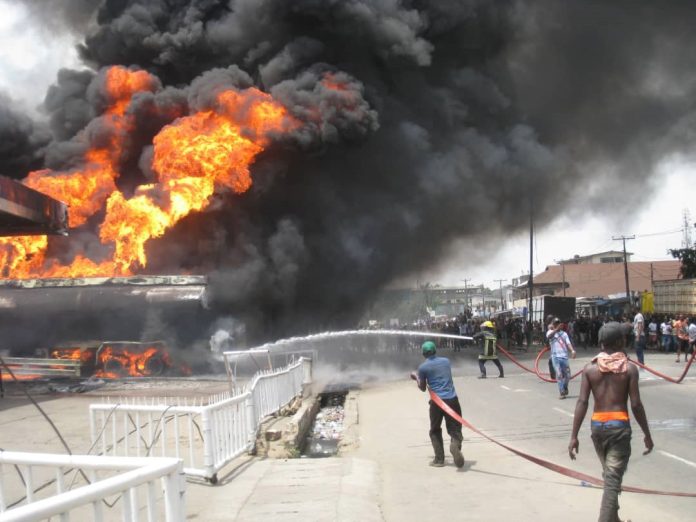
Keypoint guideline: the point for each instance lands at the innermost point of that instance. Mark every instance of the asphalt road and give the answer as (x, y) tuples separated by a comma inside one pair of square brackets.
[(525, 413)]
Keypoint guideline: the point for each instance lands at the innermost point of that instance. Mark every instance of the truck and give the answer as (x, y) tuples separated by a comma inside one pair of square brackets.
[(558, 306), (676, 296)]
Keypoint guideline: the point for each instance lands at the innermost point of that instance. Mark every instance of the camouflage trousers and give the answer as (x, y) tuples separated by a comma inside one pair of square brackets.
[(613, 447)]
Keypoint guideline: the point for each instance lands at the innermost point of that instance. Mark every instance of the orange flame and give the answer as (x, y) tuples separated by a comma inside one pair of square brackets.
[(193, 156), (20, 377), (116, 362), (74, 354)]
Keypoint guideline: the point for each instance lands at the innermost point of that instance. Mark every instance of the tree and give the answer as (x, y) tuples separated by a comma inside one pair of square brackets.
[(687, 256)]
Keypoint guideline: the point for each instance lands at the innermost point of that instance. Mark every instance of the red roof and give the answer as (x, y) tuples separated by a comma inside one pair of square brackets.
[(603, 279)]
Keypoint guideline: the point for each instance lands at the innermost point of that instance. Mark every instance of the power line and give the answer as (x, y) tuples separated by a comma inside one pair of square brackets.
[(663, 233), (502, 306)]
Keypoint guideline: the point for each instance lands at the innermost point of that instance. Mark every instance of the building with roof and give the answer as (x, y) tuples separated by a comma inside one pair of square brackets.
[(600, 279), (610, 256)]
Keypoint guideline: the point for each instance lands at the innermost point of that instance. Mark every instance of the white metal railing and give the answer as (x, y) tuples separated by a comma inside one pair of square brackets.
[(205, 436), (130, 491), (44, 367)]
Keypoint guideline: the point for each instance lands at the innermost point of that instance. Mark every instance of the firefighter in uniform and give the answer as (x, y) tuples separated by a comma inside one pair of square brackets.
[(490, 348)]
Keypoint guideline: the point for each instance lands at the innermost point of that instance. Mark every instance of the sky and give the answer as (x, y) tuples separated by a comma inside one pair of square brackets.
[(30, 58), (657, 224)]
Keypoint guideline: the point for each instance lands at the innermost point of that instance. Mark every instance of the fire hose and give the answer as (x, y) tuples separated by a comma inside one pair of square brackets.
[(544, 378), (536, 364), (545, 463), (667, 377)]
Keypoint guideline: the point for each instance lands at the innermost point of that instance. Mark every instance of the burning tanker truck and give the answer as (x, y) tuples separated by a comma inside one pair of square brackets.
[(87, 289), (117, 327)]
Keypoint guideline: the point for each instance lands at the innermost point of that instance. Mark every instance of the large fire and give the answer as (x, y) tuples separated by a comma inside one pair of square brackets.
[(114, 361), (192, 157), (85, 356), (117, 361)]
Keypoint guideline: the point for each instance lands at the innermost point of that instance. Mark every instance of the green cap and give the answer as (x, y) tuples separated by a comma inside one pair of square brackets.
[(428, 348)]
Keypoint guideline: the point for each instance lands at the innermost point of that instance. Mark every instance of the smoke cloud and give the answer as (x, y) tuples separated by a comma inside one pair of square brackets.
[(457, 116), (22, 141)]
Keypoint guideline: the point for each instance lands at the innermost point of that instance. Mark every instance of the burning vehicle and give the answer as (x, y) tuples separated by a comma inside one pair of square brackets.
[(122, 359), (67, 315)]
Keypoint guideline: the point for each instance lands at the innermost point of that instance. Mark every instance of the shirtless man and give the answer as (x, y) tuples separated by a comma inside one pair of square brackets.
[(612, 381)]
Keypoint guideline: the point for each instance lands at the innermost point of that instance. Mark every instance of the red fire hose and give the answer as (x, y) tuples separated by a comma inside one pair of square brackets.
[(547, 378), (536, 365), (545, 463), (667, 377)]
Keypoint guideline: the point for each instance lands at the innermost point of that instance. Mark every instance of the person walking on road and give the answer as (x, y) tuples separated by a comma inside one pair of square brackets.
[(682, 333), (436, 373), (490, 349), (692, 335), (639, 337), (666, 329), (561, 349), (612, 381)]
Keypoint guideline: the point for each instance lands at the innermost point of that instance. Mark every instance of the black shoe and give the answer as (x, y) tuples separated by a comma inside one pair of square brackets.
[(435, 463), (501, 376), (481, 376)]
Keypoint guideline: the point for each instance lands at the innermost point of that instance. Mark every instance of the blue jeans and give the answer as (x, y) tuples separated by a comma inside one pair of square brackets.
[(667, 343), (560, 364), (639, 345)]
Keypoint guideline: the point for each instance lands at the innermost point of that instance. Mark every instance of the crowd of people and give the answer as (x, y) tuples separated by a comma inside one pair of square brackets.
[(510, 330), (662, 333), (675, 334)]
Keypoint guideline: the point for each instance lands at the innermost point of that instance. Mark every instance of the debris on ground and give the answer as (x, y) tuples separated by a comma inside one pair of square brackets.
[(327, 430)]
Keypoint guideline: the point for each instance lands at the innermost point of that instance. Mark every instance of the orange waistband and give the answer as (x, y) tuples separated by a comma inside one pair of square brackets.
[(604, 416)]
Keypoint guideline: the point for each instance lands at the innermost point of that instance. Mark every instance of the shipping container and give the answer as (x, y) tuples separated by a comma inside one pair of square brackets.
[(675, 297)]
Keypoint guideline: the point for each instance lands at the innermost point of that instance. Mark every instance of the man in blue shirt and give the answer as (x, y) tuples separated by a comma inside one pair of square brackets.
[(436, 373), (561, 348)]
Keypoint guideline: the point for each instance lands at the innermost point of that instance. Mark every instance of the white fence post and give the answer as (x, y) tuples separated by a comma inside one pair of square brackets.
[(208, 444)]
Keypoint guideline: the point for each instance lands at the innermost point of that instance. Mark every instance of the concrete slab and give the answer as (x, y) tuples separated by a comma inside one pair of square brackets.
[(292, 490)]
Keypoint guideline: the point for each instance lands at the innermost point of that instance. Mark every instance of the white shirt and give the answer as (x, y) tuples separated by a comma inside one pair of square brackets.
[(638, 320), (652, 327), (666, 328), (692, 332), (560, 343)]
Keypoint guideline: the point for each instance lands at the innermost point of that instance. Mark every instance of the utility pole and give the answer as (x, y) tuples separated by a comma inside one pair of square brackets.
[(628, 291), (500, 281), (466, 293), (562, 263), (686, 238)]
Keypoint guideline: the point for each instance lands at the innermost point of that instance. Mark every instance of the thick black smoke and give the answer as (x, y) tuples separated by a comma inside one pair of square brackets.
[(22, 141), (461, 114)]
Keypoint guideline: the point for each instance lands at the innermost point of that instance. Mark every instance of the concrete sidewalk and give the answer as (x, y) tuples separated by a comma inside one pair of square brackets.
[(290, 490)]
